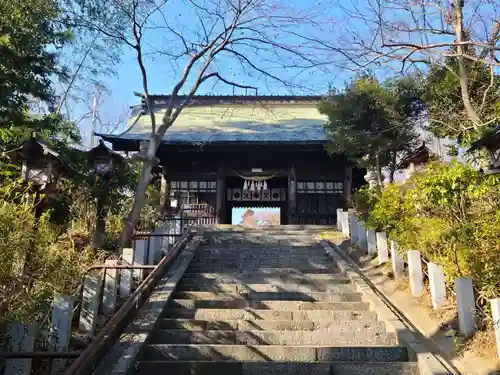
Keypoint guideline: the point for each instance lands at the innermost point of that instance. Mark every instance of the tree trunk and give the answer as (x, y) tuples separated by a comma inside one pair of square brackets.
[(100, 225), (462, 70), (392, 171), (139, 198), (378, 170)]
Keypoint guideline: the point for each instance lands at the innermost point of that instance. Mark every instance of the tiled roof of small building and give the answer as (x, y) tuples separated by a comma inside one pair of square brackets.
[(236, 119)]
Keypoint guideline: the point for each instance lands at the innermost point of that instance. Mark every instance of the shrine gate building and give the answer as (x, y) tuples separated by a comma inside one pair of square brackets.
[(225, 152)]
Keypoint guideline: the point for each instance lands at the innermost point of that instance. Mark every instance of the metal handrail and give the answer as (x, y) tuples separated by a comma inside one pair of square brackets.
[(40, 354), (98, 348)]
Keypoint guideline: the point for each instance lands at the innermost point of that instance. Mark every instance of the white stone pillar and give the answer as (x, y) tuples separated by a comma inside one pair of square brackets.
[(110, 288), (495, 314), (398, 263), (164, 240), (92, 287), (174, 228), (371, 239), (125, 289), (362, 243), (415, 273), (21, 338), (140, 257), (353, 225), (345, 224), (155, 247), (339, 222), (382, 248), (466, 306), (437, 284), (60, 330)]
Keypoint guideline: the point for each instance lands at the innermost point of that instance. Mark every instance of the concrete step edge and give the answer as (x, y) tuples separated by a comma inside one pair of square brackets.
[(268, 368), (270, 296), (252, 314), (270, 305), (264, 353), (333, 326), (282, 338)]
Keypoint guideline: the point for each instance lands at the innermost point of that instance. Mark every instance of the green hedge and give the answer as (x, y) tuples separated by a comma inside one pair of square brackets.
[(451, 213)]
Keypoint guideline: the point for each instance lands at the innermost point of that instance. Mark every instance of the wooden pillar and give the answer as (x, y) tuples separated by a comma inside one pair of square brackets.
[(347, 184), (292, 194), (221, 196)]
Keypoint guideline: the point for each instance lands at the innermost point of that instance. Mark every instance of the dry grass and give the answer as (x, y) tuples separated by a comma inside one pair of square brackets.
[(482, 344), (331, 235)]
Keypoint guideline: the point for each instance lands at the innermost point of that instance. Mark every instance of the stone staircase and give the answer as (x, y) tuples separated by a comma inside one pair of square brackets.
[(269, 302)]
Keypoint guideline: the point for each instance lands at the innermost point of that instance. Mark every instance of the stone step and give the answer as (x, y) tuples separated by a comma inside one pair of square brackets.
[(168, 352), (219, 255), (271, 296), (253, 314), (272, 325), (271, 258), (193, 268), (268, 305), (284, 249), (247, 288), (193, 283), (276, 368), (249, 278), (272, 272), (253, 266), (286, 338)]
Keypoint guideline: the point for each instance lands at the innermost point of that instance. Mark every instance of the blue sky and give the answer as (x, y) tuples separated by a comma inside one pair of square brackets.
[(164, 72), (333, 25)]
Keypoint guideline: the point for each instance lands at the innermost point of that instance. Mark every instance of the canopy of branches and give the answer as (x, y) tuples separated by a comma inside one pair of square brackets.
[(370, 122)]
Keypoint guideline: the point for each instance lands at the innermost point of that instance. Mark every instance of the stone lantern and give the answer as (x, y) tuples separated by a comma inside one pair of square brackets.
[(415, 160), (41, 168), (491, 142), (104, 162)]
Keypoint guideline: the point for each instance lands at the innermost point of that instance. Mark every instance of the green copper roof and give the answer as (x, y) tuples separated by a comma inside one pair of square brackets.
[(208, 119)]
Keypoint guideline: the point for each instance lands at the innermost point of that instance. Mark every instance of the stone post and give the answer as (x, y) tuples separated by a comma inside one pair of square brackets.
[(154, 254), (353, 225), (339, 221), (292, 194), (362, 243), (125, 289), (372, 241), (345, 224), (140, 257), (220, 204), (110, 288), (62, 316), (466, 305), (174, 227), (415, 271), (398, 263), (437, 284), (21, 338), (495, 314), (92, 287), (382, 249)]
